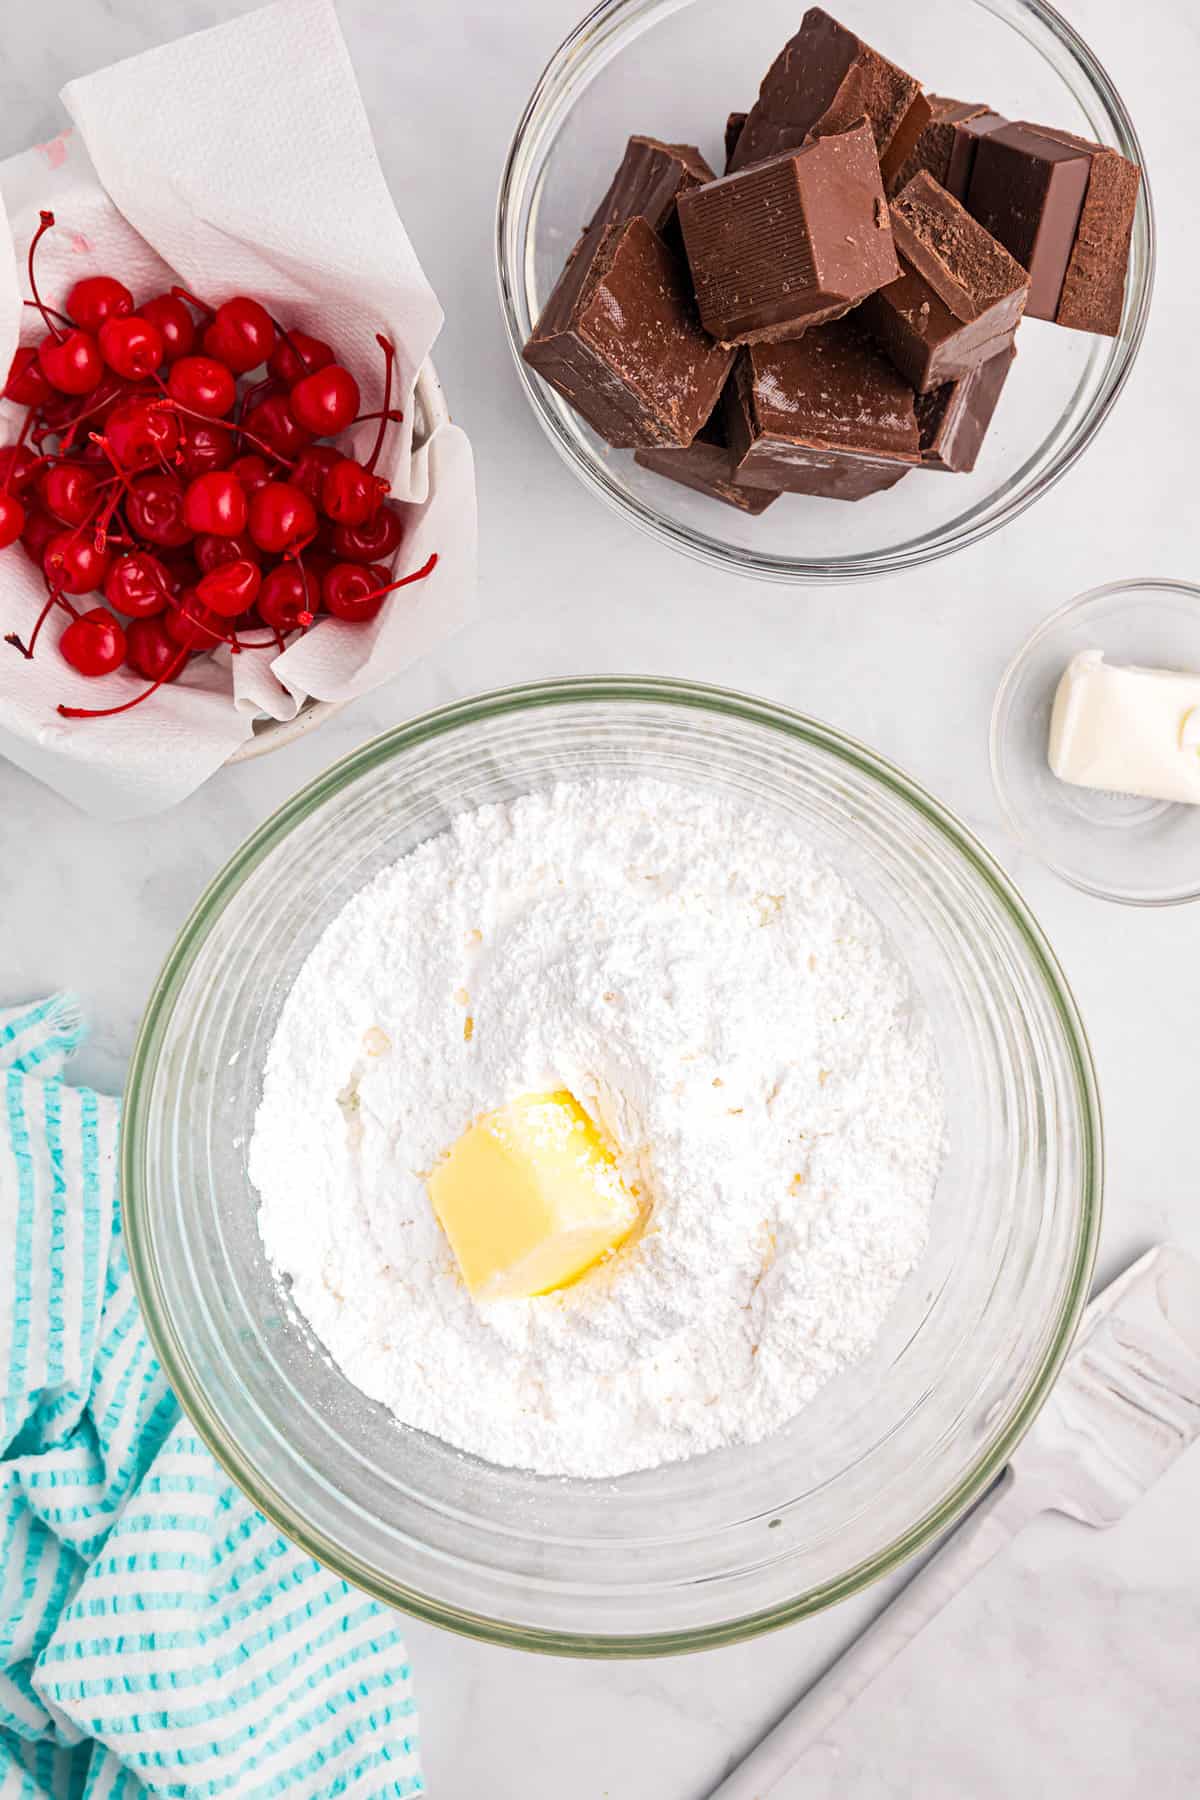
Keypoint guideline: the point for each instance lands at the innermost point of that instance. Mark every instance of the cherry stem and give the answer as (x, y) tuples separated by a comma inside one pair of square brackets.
[(389, 358), (119, 474), (66, 432), (12, 461), (108, 712), (54, 598), (181, 293), (426, 568), (53, 311), (251, 395), (47, 220), (169, 403)]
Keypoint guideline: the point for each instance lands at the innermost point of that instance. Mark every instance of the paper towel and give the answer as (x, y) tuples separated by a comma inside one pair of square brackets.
[(239, 160)]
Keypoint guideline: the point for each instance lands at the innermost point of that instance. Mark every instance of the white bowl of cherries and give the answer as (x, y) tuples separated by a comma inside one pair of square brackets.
[(180, 460)]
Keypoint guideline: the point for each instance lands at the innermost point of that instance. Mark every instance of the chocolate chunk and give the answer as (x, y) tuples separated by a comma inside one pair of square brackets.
[(620, 340), (959, 296), (734, 126), (649, 180), (1027, 188), (823, 414), (954, 419), (791, 242), (945, 146), (823, 80), (1093, 289), (900, 150), (707, 466)]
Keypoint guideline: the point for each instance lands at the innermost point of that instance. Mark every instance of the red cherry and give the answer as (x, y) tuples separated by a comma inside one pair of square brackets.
[(98, 298), (326, 401), (230, 589), (312, 466), (154, 509), (98, 406), (272, 422), (356, 593), (376, 541), (71, 362), (40, 527), (150, 651), (139, 585), (26, 383), (252, 471), (211, 550), (203, 446), (241, 335), (73, 565), (216, 503), (131, 347), (69, 492), (193, 625), (94, 643), (142, 434), (350, 494), (203, 385), (12, 520), (174, 324), (297, 354), (288, 598), (180, 564), (282, 517), (18, 467)]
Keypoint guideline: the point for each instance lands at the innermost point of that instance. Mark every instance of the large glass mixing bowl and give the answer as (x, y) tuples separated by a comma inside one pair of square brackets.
[(675, 69), (702, 1552)]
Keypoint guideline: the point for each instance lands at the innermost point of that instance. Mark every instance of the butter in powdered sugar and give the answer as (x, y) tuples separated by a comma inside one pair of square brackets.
[(1126, 729)]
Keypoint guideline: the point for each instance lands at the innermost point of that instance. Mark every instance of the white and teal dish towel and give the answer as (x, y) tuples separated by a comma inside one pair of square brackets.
[(157, 1635)]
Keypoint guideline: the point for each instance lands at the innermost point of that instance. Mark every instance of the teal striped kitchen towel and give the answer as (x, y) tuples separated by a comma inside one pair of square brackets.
[(157, 1635)]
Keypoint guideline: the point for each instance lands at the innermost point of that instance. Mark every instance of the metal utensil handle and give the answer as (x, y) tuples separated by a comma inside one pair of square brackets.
[(988, 1530)]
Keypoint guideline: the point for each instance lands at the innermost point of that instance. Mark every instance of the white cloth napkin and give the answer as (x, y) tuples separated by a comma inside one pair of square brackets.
[(238, 160)]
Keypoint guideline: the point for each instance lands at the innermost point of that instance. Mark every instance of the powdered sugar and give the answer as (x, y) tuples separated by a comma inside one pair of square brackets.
[(720, 999)]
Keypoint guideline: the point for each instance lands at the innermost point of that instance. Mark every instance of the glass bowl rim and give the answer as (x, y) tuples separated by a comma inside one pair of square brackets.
[(1014, 820), (238, 1464), (916, 552)]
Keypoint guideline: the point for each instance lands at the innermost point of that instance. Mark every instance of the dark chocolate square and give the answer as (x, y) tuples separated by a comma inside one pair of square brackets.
[(959, 296), (1027, 188), (1093, 290), (823, 80), (706, 466), (822, 414), (954, 419), (620, 339), (789, 242), (649, 179), (945, 146)]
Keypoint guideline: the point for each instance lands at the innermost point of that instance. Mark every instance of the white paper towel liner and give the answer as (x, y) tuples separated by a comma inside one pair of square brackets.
[(239, 160)]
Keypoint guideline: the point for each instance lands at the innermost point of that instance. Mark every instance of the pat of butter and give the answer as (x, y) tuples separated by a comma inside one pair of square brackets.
[(1126, 729), (530, 1197)]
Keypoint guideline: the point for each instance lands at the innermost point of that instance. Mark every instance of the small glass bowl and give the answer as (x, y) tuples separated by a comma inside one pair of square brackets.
[(696, 1553), (674, 68), (1117, 846)]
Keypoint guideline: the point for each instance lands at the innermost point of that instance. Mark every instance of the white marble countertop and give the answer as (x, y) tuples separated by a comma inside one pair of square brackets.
[(1071, 1667)]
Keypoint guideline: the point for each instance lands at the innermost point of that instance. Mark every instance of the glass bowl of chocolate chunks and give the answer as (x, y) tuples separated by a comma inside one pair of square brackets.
[(781, 298)]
